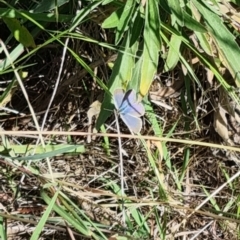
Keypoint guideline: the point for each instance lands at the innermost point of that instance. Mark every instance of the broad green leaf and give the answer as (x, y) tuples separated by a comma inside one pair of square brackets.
[(137, 27), (20, 33), (113, 20), (152, 43), (135, 83), (173, 53), (224, 39), (125, 18), (121, 75)]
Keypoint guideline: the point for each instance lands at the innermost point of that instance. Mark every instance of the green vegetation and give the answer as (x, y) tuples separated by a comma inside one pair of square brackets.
[(67, 168)]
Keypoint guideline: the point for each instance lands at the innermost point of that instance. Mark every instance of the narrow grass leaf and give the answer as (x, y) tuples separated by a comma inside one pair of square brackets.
[(124, 20), (15, 53), (175, 174), (44, 218), (83, 14), (227, 177), (129, 222), (192, 24), (212, 200), (166, 153), (161, 222), (3, 235), (20, 33), (161, 186), (106, 2), (238, 205), (153, 119), (67, 217), (152, 44), (106, 144), (173, 53), (183, 60), (43, 17), (140, 220), (79, 214), (53, 153), (204, 60), (185, 164), (6, 96), (204, 43), (225, 40), (23, 149), (137, 27), (230, 204)]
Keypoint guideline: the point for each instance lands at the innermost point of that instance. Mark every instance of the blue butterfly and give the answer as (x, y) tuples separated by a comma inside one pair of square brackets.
[(129, 108)]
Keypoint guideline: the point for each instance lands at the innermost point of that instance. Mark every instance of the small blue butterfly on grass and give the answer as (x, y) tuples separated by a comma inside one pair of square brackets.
[(129, 108)]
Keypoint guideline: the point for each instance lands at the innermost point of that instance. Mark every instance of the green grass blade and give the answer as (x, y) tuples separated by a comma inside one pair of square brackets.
[(173, 53), (75, 211), (28, 149), (43, 17), (137, 27), (70, 219), (44, 218), (53, 153), (152, 44), (125, 18), (225, 40), (3, 235), (83, 13)]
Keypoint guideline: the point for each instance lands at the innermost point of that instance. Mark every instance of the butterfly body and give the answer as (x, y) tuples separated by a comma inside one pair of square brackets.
[(129, 108)]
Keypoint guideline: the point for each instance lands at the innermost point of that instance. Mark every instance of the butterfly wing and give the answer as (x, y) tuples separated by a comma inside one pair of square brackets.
[(118, 96), (130, 105), (130, 110), (134, 124)]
